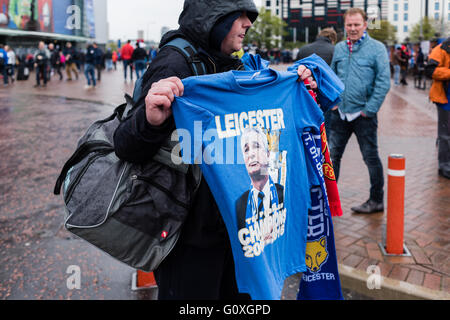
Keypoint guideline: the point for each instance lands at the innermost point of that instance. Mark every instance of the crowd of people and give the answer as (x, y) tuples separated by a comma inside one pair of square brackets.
[(50, 59)]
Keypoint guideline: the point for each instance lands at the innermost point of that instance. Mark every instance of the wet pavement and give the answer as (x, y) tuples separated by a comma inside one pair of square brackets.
[(39, 129)]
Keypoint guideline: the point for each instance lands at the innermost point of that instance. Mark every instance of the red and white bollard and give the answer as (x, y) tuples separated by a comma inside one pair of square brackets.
[(143, 280), (395, 205)]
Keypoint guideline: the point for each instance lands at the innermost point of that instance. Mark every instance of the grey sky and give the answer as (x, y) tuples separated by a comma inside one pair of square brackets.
[(125, 17)]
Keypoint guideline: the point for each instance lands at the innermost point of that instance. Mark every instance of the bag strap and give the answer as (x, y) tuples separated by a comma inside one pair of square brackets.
[(82, 152), (190, 53)]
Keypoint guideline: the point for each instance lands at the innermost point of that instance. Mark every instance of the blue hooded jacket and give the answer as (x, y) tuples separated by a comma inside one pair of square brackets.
[(365, 73)]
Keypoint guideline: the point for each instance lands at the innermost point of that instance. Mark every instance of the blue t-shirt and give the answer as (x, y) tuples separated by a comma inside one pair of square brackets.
[(254, 62), (244, 129)]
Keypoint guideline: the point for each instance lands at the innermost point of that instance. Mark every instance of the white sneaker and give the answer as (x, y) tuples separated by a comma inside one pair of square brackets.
[(87, 87)]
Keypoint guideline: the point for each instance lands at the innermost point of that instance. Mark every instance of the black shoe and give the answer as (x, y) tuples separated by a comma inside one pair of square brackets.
[(369, 206)]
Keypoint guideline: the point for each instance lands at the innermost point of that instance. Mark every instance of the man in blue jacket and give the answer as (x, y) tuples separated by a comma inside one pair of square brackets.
[(362, 64), (3, 64)]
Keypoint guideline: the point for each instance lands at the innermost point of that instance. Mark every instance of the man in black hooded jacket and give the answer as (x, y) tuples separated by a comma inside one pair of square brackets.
[(201, 265)]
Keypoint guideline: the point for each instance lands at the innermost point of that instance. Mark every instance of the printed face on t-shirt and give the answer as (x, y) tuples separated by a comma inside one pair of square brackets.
[(256, 154)]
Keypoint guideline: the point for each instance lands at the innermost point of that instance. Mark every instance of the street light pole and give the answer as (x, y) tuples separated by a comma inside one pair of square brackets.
[(421, 19)]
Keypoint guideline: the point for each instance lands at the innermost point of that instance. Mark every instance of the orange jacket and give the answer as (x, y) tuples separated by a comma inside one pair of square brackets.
[(440, 75)]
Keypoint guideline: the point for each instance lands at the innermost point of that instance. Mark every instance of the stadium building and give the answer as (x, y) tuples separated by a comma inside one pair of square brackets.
[(23, 23)]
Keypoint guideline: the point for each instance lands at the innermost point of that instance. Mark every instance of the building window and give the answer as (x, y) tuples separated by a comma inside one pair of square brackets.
[(395, 28), (436, 6), (436, 16), (395, 6), (406, 6), (395, 17), (405, 28), (405, 17), (268, 3)]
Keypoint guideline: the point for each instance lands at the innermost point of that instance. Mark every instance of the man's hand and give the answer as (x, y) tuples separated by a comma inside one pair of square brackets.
[(158, 103), (306, 74)]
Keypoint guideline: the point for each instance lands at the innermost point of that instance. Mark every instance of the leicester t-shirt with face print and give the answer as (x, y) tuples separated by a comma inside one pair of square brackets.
[(244, 130)]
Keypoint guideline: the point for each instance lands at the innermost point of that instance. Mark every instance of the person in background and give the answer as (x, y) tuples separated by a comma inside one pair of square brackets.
[(71, 54), (99, 56), (89, 66), (405, 56), (397, 59), (11, 63), (41, 62), (139, 59), (438, 68), (4, 65), (55, 60), (127, 55), (362, 64), (109, 59), (115, 57), (323, 46)]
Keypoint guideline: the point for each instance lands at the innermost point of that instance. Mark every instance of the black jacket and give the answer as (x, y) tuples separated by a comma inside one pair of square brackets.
[(137, 141), (90, 56), (139, 54), (55, 58), (322, 47)]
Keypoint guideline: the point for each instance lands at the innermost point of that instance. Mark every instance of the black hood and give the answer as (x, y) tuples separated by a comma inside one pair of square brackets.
[(199, 17)]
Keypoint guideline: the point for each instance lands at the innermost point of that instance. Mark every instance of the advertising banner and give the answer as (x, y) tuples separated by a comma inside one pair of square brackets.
[(62, 9), (90, 19), (23, 15), (45, 15), (67, 17)]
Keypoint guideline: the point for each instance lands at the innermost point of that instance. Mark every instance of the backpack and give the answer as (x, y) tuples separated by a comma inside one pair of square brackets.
[(189, 52), (133, 212)]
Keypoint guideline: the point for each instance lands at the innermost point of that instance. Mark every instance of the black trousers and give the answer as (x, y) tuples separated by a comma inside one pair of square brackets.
[(444, 141), (192, 273), (365, 130), (41, 72)]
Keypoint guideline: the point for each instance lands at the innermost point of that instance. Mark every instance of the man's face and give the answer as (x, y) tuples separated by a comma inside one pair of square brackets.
[(256, 156), (355, 26), (233, 40)]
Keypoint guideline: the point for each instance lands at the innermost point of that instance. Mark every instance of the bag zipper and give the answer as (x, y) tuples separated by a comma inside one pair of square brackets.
[(80, 175), (161, 188)]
